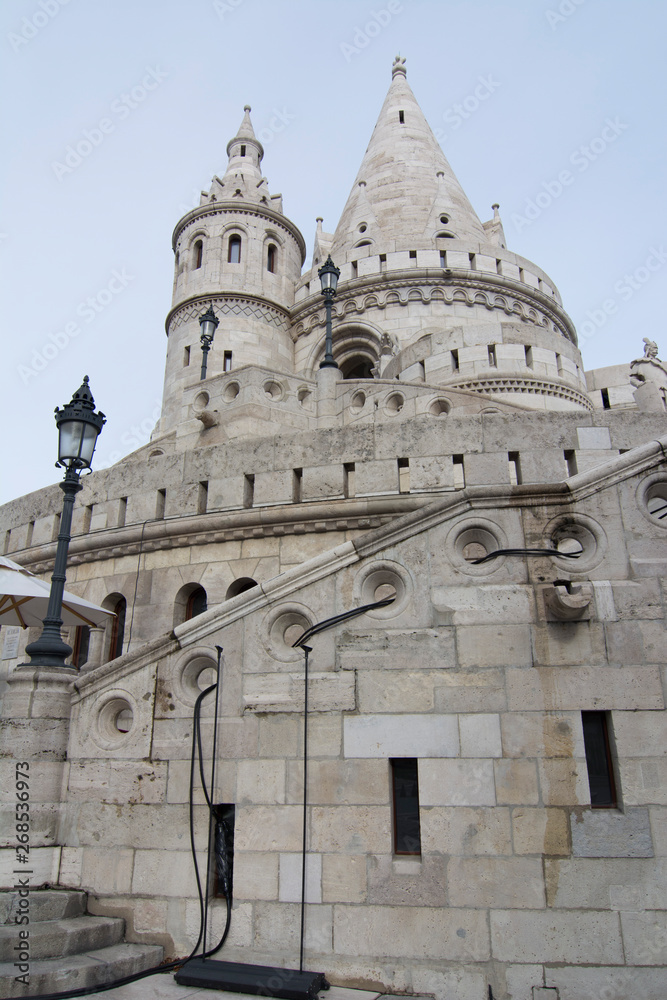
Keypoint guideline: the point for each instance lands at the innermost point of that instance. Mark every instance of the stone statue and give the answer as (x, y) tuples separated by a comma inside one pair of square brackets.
[(650, 348)]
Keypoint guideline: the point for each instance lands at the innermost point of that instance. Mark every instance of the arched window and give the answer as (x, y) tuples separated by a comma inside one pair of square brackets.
[(234, 251), (196, 604), (357, 367), (117, 629), (239, 586), (271, 258), (198, 254)]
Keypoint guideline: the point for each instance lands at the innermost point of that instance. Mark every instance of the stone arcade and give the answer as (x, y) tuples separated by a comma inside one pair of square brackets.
[(456, 736)]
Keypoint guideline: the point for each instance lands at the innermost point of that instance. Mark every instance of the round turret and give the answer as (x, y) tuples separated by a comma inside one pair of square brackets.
[(238, 254)]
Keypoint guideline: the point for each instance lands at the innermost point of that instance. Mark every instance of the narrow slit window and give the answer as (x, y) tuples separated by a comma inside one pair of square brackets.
[(401, 117), (455, 360), (31, 528), (56, 530), (606, 405), (198, 254), (122, 511), (443, 258), (271, 258), (186, 357), (599, 760), (515, 467), (8, 535), (227, 361), (559, 364), (234, 251), (383, 262), (242, 150), (248, 491), (297, 482), (355, 268), (87, 518), (348, 479), (160, 503), (499, 266), (405, 801), (473, 262), (459, 472), (202, 497), (529, 356), (521, 277), (403, 475), (493, 361)]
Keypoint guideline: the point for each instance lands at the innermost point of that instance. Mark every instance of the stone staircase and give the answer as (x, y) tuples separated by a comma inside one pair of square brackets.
[(68, 948)]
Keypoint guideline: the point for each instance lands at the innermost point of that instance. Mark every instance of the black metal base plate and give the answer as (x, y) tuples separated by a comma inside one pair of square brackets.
[(262, 980)]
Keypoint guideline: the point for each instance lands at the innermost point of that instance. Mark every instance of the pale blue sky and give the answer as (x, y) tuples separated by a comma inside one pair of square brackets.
[(556, 79)]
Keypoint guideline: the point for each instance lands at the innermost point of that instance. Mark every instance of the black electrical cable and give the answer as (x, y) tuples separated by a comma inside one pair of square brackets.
[(524, 552), (85, 991)]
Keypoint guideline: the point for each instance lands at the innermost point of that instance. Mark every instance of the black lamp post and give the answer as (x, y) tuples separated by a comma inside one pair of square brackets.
[(208, 324), (78, 430), (329, 275)]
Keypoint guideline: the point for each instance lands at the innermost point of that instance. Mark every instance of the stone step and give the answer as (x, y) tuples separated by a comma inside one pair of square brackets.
[(50, 938), (44, 904), (69, 972)]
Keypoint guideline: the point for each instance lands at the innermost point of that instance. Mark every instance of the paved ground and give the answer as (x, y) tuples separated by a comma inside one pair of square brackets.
[(163, 987)]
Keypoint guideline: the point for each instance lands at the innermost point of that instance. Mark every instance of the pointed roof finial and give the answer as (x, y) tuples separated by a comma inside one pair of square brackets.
[(246, 133), (398, 67)]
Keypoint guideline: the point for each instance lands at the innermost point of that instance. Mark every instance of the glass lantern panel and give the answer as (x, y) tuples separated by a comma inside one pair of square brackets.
[(69, 443)]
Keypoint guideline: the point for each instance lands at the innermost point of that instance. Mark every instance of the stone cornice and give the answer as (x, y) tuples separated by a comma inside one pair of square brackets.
[(484, 384), (239, 208), (514, 298), (221, 298), (310, 517)]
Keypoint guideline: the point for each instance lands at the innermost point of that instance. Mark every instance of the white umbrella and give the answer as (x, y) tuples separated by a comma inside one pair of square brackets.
[(24, 599)]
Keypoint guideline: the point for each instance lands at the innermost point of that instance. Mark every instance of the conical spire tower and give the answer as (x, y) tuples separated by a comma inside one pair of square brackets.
[(405, 194)]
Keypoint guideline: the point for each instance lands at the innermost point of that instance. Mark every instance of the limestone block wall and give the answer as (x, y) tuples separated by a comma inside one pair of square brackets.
[(519, 883)]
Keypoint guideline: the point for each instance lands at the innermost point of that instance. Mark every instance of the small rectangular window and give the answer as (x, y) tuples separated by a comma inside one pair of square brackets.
[(599, 760), (471, 258), (122, 511), (606, 405), (529, 356), (403, 475), (8, 535), (515, 467), (493, 362), (227, 361), (56, 529), (405, 801), (202, 497), (443, 258), (355, 269), (186, 357), (413, 255), (160, 504), (570, 462), (242, 150), (401, 117), (28, 540), (248, 491), (459, 472), (455, 360), (297, 481), (521, 277), (348, 479), (499, 266)]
